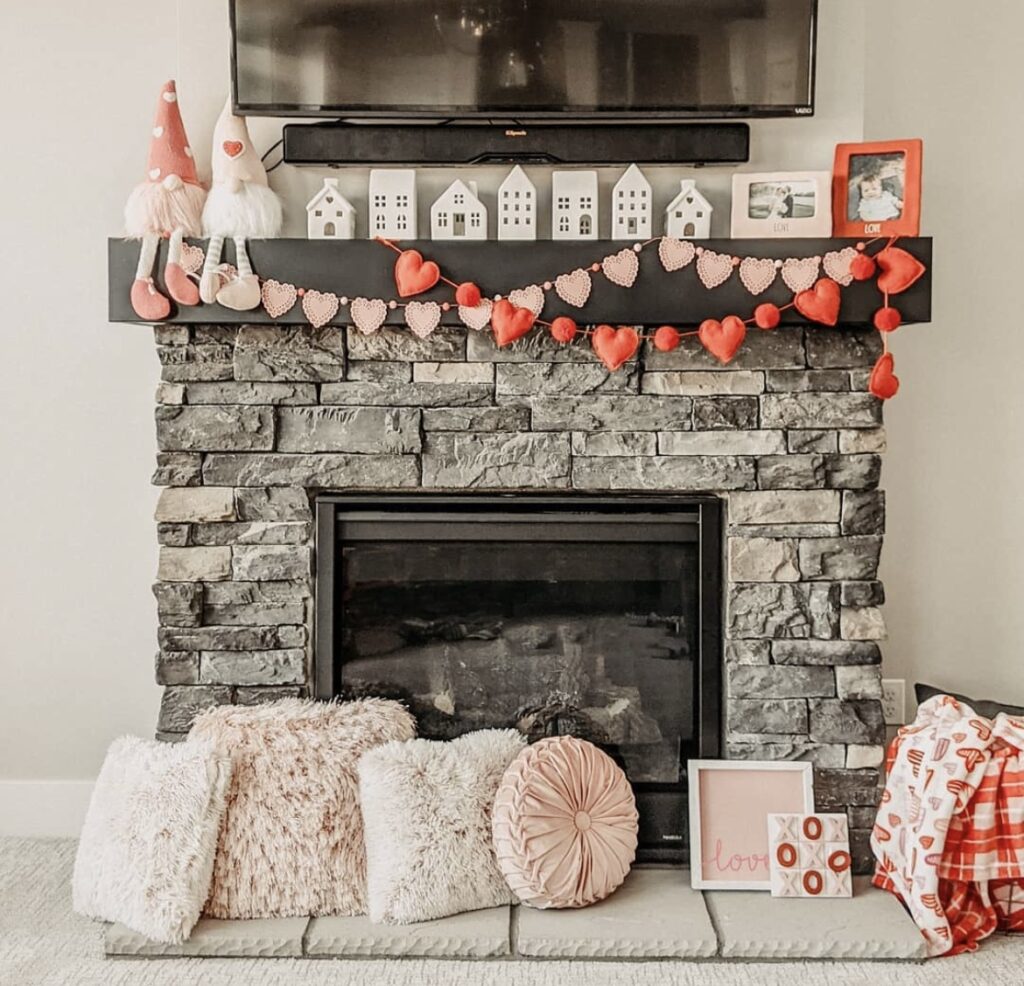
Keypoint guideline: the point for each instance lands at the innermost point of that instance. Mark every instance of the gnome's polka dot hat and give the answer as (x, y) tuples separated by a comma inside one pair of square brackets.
[(170, 157)]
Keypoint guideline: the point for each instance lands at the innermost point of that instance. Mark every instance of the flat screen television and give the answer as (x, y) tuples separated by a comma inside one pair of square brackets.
[(564, 60)]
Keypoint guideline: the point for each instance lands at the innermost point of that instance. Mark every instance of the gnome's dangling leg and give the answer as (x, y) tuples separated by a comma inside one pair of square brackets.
[(149, 304), (243, 293), (212, 280), (179, 285)]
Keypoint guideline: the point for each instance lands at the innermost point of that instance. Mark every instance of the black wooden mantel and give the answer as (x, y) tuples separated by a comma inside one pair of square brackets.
[(365, 267)]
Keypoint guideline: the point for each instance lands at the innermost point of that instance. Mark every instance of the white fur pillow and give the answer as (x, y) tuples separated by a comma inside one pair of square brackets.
[(427, 813), (150, 834)]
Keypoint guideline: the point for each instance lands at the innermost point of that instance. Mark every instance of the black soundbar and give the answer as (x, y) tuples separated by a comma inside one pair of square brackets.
[(335, 144)]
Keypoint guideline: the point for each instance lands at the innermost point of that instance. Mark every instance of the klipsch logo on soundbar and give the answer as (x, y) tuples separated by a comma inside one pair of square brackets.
[(515, 133)]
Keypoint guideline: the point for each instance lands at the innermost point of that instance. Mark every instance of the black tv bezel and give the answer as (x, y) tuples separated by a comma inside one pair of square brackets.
[(504, 114)]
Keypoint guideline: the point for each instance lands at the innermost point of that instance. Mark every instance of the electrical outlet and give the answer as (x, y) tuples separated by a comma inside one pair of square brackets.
[(894, 701)]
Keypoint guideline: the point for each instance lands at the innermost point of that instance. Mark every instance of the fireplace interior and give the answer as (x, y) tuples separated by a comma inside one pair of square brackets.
[(593, 616)]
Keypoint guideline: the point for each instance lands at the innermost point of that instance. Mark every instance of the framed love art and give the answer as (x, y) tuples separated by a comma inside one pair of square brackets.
[(876, 189), (781, 204), (730, 801)]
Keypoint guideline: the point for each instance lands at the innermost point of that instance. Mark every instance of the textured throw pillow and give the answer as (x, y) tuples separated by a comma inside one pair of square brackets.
[(150, 834), (565, 824), (984, 707), (291, 843), (427, 808)]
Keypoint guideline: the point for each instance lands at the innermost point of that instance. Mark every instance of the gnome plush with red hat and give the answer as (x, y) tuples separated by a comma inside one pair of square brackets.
[(169, 203), (241, 205)]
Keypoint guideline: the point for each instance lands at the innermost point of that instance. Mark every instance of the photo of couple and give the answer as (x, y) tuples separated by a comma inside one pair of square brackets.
[(782, 200)]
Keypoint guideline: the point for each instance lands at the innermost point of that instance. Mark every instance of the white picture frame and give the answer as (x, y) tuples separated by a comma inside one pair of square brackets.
[(740, 806), (775, 204)]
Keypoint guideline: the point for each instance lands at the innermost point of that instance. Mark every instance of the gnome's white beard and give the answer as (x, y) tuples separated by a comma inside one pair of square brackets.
[(153, 208), (253, 211)]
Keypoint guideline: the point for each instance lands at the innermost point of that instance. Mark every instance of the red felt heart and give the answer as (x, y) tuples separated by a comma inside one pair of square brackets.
[(899, 270), (413, 274), (467, 294), (722, 339), (883, 383), (615, 346), (509, 322), (820, 303), (233, 147)]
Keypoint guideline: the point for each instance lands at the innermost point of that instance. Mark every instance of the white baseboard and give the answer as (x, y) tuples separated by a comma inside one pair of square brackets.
[(43, 809)]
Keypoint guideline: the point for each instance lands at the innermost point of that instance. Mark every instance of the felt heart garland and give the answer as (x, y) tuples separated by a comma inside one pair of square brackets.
[(574, 288), (675, 254), (758, 274), (319, 307), (621, 268), (368, 314), (278, 299), (821, 303), (615, 346), (478, 317), (531, 297), (414, 275), (899, 270), (883, 383), (422, 317), (509, 322), (713, 268), (801, 274), (722, 339), (837, 265)]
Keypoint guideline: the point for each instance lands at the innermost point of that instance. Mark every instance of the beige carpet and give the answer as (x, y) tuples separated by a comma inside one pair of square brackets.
[(42, 942)]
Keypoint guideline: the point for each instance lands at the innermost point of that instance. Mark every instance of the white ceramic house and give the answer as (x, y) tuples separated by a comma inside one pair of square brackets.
[(689, 213), (393, 203), (458, 213), (329, 215), (517, 207), (631, 206), (575, 205)]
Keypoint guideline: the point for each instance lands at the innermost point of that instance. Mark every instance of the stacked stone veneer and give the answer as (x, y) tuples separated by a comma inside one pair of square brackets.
[(253, 422)]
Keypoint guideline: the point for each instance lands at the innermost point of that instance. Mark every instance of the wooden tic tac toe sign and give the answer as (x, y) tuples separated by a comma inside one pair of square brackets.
[(809, 855)]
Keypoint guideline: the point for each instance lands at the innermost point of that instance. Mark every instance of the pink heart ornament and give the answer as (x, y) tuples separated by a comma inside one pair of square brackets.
[(574, 288), (422, 317), (368, 314), (675, 254), (801, 275), (758, 274), (476, 318), (278, 298), (713, 268), (621, 268), (837, 265), (531, 297), (192, 258), (320, 307)]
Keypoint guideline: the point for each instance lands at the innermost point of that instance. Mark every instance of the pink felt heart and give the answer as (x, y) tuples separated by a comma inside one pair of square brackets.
[(368, 314), (758, 274), (531, 297), (802, 274), (278, 298), (422, 317), (675, 254), (476, 318), (192, 258), (320, 307), (574, 288), (713, 268), (621, 268), (837, 265)]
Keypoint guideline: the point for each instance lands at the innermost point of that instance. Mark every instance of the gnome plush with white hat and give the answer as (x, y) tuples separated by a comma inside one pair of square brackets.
[(241, 205), (169, 203)]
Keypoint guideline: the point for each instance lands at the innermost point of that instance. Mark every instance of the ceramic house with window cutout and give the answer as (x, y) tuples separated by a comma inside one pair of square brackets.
[(329, 215), (575, 205), (631, 206), (517, 207), (393, 203), (458, 213), (689, 213)]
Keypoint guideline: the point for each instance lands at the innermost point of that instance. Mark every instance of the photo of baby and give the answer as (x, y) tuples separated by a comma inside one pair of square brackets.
[(875, 191), (782, 200)]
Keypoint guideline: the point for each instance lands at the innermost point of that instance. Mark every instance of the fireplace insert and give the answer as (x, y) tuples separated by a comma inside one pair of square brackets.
[(594, 616)]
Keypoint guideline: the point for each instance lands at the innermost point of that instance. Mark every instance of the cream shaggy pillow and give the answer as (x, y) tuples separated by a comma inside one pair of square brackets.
[(427, 810), (150, 834), (291, 843)]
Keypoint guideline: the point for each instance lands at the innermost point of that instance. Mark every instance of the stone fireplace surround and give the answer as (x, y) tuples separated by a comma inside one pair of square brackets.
[(255, 421)]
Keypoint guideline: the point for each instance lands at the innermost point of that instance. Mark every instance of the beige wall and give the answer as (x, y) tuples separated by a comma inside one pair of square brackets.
[(953, 561), (77, 621)]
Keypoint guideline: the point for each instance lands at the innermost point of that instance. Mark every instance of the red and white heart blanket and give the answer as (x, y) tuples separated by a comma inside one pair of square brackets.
[(949, 836)]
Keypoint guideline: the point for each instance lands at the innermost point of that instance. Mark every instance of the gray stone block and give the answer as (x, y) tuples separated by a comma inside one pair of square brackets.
[(862, 594), (215, 333), (177, 668), (834, 653), (783, 530), (270, 667), (452, 373), (725, 412), (171, 335), (608, 412), (839, 721), (401, 346), (235, 392), (807, 440), (813, 410), (328, 470), (838, 789), (806, 381), (768, 609), (537, 347), (672, 473), (840, 558), (177, 469), (348, 429), (170, 393), (194, 564), (196, 504), (408, 395), (772, 681), (865, 756), (530, 379), (215, 428), (748, 651), (760, 351), (870, 925), (471, 935), (272, 504), (261, 938), (374, 371), (270, 562), (861, 816), (864, 623), (255, 603), (180, 704), (655, 914), (258, 695), (253, 532), (777, 716), (812, 472), (819, 754), (179, 603), (277, 352), (721, 442), (237, 638), (496, 460), (507, 417), (857, 681), (173, 535), (703, 383), (784, 507), (182, 364), (827, 348), (863, 512), (860, 441), (763, 560), (615, 443)]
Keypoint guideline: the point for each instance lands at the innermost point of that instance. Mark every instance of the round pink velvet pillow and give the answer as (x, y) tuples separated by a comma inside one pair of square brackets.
[(564, 824)]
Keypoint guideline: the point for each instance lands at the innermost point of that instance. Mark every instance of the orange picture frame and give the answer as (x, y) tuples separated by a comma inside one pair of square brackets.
[(876, 189)]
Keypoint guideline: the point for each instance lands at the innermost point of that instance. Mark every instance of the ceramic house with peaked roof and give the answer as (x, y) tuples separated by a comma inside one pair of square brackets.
[(393, 203), (689, 213), (329, 215), (517, 207), (458, 213), (575, 205), (631, 206)]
